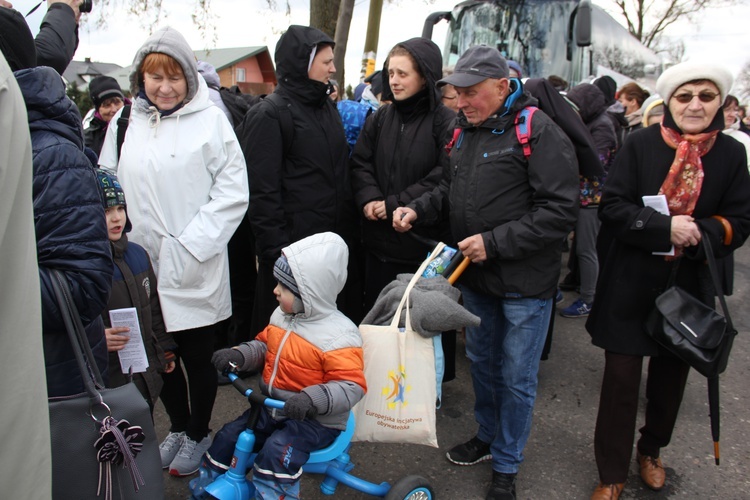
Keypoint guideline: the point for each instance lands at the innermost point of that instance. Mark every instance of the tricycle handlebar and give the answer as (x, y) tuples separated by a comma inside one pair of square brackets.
[(253, 396)]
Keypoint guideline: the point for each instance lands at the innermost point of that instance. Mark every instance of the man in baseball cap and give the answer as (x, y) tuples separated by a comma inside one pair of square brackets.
[(510, 206), (483, 70)]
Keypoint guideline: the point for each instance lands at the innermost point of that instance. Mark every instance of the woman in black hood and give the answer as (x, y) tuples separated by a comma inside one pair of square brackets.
[(400, 155), (299, 181)]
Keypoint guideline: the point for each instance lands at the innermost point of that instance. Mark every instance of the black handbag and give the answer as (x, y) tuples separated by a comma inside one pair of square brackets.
[(690, 329), (103, 440)]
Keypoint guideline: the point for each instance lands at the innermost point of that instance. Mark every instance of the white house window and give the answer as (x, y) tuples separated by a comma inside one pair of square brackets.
[(240, 74)]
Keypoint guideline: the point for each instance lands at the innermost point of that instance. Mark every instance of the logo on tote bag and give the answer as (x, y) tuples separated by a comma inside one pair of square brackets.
[(396, 391)]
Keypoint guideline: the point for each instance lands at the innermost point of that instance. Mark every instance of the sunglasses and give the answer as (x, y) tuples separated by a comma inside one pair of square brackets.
[(685, 97)]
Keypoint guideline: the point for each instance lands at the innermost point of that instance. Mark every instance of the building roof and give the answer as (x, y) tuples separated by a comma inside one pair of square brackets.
[(81, 72), (222, 58)]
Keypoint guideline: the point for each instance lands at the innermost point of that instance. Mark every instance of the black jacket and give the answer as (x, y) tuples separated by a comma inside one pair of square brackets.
[(94, 134), (57, 40), (134, 285), (71, 230), (592, 107), (523, 208), (562, 113), (399, 156), (304, 187), (630, 277)]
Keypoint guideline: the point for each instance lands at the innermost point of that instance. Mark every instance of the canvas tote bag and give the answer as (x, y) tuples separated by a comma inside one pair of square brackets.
[(399, 406)]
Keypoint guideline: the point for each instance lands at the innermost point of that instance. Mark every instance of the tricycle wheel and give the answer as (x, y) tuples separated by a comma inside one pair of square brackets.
[(411, 488)]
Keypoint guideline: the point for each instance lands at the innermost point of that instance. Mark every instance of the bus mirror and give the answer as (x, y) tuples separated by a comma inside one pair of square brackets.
[(432, 20), (583, 23)]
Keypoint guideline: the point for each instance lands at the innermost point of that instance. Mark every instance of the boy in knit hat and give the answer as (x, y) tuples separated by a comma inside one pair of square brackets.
[(133, 286), (311, 357)]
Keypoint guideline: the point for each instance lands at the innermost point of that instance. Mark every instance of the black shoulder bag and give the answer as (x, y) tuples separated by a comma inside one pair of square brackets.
[(691, 330)]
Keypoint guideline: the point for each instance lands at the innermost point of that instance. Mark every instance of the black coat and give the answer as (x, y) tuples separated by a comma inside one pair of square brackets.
[(523, 208), (304, 187), (630, 277), (592, 107), (399, 156), (71, 230), (57, 40), (94, 134)]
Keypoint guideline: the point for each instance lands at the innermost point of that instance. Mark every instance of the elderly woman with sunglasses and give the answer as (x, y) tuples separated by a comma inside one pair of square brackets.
[(703, 176)]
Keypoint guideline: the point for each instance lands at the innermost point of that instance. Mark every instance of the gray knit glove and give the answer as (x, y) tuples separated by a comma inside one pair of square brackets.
[(300, 406), (223, 357)]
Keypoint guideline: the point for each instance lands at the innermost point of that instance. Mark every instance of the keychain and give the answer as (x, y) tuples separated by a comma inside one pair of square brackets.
[(118, 443)]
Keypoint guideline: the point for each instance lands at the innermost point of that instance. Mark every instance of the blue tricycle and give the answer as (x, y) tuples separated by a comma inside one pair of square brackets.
[(333, 462)]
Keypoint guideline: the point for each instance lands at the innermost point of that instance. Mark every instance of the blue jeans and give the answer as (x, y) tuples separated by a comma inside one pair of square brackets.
[(504, 352)]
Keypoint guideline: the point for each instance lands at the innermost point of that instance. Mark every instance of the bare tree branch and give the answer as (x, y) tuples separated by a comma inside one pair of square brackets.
[(648, 19)]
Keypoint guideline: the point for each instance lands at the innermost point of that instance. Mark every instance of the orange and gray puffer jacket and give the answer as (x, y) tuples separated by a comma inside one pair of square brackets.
[(317, 351)]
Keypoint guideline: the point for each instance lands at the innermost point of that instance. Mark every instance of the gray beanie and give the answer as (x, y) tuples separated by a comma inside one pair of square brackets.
[(679, 74), (283, 273)]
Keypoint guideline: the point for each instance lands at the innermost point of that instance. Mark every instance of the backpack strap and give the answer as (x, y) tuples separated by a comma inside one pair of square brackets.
[(122, 126), (523, 128), (285, 119), (457, 132)]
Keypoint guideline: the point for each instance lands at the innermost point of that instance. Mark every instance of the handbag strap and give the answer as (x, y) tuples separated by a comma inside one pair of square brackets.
[(708, 250), (76, 334), (397, 317)]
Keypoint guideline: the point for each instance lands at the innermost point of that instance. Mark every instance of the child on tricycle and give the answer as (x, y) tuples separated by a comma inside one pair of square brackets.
[(311, 358)]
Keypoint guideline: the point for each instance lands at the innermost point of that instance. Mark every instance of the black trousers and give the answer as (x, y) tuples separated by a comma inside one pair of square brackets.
[(618, 410), (189, 402)]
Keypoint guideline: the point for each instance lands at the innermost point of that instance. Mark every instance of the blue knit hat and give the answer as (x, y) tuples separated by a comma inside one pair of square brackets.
[(112, 193), (283, 273)]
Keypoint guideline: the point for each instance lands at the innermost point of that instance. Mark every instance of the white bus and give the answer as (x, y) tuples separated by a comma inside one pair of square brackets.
[(572, 39)]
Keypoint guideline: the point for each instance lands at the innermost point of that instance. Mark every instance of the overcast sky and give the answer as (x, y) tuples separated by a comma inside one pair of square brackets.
[(720, 35)]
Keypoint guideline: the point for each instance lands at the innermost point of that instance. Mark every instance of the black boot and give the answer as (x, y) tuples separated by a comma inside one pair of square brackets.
[(503, 487)]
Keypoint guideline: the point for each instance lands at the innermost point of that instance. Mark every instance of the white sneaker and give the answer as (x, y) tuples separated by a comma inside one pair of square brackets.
[(188, 459), (169, 447)]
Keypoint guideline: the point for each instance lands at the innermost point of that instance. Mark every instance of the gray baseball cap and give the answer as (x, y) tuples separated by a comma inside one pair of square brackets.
[(477, 64)]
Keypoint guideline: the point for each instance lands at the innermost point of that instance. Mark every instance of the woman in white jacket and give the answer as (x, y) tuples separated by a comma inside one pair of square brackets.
[(185, 177)]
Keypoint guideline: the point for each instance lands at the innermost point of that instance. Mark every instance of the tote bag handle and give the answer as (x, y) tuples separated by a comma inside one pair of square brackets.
[(433, 255), (76, 333)]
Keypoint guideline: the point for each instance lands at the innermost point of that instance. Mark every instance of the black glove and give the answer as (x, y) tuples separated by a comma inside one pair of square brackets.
[(223, 357), (300, 406)]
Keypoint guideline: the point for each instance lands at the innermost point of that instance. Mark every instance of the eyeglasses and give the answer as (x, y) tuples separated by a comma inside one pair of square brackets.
[(685, 98)]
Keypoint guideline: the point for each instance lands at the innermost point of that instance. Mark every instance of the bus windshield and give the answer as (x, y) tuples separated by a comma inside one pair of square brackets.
[(532, 33), (537, 34)]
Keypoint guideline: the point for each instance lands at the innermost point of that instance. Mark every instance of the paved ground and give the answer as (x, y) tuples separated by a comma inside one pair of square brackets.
[(559, 455)]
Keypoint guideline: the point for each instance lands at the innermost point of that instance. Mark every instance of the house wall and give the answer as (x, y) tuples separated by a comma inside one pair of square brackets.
[(256, 72)]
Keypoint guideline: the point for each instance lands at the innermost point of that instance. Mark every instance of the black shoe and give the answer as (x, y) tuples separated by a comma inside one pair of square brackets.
[(503, 487), (472, 452)]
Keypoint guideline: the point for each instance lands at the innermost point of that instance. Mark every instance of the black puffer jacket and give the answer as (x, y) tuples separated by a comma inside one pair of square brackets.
[(304, 187), (399, 156), (71, 230), (523, 208)]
